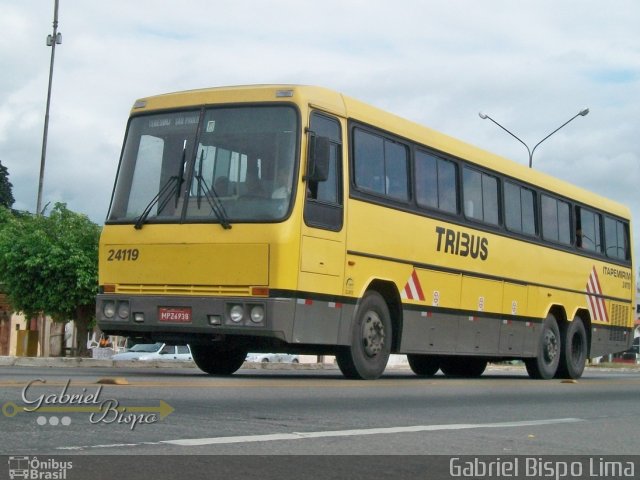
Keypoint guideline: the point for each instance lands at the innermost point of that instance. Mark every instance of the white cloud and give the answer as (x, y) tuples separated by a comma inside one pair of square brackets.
[(530, 64)]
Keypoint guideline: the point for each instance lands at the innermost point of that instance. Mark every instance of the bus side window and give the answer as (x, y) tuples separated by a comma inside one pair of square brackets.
[(556, 220), (436, 182), (616, 238), (588, 230), (480, 191)]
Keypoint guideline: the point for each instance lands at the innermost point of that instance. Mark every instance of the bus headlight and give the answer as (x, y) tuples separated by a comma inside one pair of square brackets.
[(236, 314), (123, 310), (109, 309), (257, 314)]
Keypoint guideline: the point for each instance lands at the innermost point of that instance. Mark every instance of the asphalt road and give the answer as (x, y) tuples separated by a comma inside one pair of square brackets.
[(292, 412)]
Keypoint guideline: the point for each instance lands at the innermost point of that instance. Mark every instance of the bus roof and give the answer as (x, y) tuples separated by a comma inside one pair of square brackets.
[(345, 106)]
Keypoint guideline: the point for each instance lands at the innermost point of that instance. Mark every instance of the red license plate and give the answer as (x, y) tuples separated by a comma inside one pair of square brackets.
[(175, 314)]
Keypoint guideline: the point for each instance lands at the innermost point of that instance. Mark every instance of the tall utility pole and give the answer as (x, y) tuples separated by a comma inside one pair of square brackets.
[(52, 40)]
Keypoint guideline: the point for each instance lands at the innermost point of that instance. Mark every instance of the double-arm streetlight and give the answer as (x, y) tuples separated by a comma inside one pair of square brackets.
[(52, 40), (581, 113)]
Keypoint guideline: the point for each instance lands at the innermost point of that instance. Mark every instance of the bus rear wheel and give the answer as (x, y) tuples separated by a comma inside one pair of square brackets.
[(467, 367), (545, 364), (367, 356), (574, 350), (424, 365), (218, 361)]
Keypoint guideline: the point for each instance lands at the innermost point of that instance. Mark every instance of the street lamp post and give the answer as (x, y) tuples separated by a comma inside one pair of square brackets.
[(581, 113), (52, 40)]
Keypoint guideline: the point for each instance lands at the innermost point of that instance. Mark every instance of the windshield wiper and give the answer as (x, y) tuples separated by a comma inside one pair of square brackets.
[(199, 176), (214, 201), (169, 188)]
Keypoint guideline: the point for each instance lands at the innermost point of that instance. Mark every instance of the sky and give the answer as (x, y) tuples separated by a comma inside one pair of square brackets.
[(531, 65)]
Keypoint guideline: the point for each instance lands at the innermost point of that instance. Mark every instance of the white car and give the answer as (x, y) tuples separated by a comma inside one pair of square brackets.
[(272, 357), (156, 351), (634, 352)]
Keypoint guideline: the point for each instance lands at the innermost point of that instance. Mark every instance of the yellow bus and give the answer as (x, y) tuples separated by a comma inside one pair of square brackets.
[(284, 218)]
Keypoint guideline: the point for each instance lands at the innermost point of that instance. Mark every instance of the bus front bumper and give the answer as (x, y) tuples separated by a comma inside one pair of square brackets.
[(195, 317)]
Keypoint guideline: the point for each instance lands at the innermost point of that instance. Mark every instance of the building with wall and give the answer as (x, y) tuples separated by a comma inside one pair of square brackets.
[(22, 337)]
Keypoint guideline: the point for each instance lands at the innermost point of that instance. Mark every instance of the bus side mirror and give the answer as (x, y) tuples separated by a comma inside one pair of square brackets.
[(318, 164)]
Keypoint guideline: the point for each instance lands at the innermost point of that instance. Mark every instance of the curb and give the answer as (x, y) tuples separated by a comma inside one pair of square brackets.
[(80, 362)]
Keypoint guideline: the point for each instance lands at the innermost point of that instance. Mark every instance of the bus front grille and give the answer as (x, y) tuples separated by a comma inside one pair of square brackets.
[(199, 290)]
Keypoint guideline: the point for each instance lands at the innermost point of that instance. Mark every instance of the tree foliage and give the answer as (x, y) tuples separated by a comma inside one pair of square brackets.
[(50, 265), (6, 195)]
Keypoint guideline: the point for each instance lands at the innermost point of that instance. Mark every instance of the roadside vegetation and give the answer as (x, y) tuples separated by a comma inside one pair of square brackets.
[(49, 263)]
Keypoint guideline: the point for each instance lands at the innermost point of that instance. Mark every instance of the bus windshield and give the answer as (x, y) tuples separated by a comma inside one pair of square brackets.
[(223, 165)]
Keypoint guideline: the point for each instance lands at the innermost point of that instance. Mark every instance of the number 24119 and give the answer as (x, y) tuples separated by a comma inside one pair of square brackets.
[(123, 255)]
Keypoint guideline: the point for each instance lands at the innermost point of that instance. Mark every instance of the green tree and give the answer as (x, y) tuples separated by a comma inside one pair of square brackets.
[(6, 196), (50, 265)]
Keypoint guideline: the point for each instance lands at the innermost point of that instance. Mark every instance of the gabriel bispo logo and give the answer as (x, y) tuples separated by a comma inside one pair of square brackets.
[(99, 409)]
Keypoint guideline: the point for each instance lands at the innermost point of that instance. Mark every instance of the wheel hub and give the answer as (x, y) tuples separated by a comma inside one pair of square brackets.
[(372, 334), (551, 347)]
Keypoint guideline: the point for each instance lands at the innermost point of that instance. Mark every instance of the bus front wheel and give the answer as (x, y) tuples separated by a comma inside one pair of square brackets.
[(545, 364), (574, 350), (218, 361), (367, 356)]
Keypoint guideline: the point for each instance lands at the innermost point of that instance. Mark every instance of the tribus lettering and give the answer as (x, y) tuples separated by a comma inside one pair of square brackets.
[(461, 243)]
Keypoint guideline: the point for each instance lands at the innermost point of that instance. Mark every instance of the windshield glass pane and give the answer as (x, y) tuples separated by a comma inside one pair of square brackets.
[(244, 164), (240, 169), (153, 166), (146, 347)]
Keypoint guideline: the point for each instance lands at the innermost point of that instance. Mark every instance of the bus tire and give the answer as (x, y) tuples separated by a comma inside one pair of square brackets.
[(424, 365), (466, 367), (574, 350), (545, 364), (218, 361), (371, 336)]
